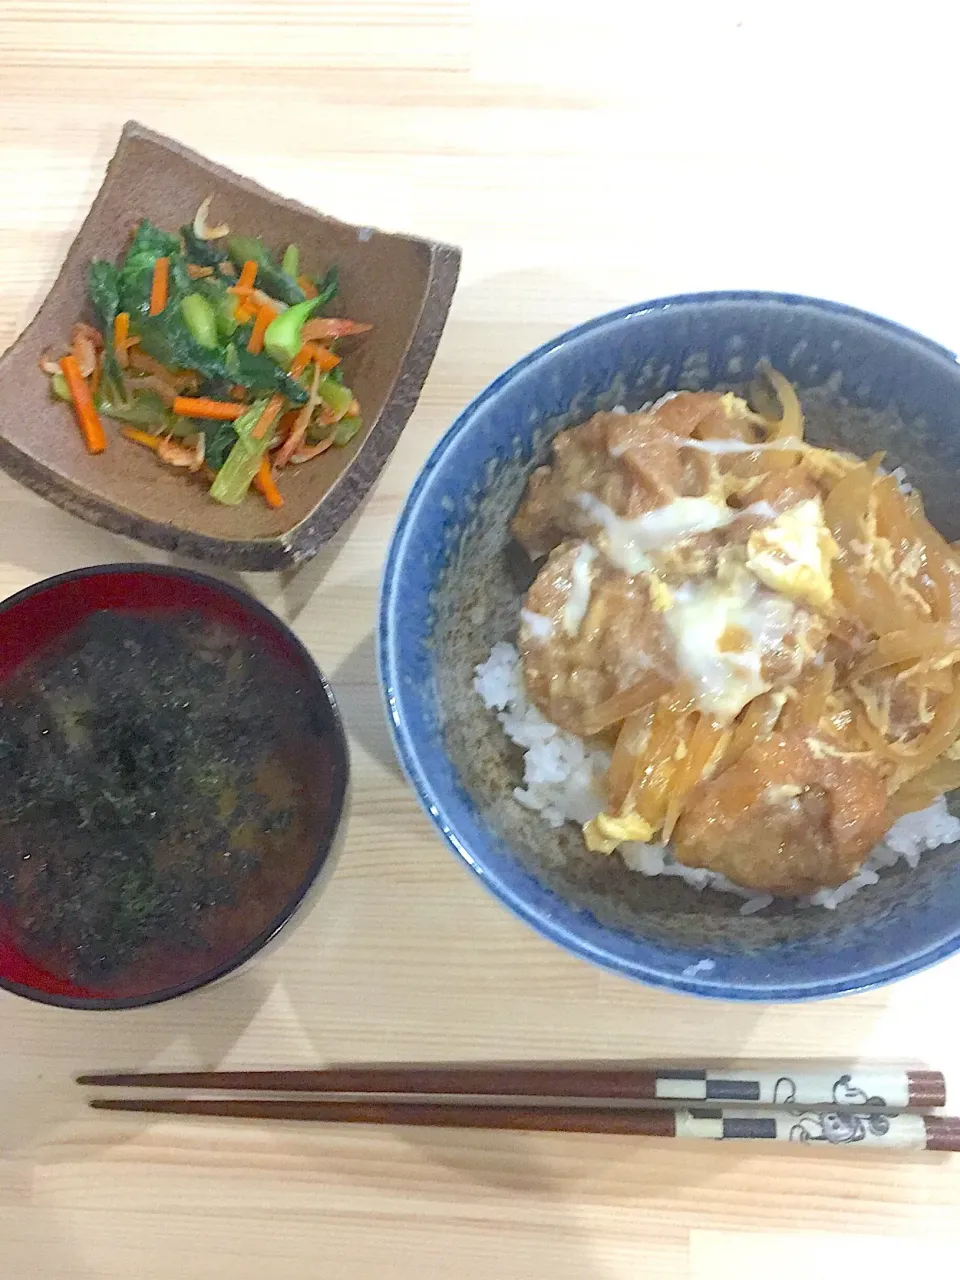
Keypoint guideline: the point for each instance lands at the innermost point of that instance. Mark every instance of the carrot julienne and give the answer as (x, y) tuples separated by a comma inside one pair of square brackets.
[(300, 361), (247, 275), (91, 428), (159, 286), (320, 356), (265, 316), (268, 417), (267, 485), (141, 437), (203, 407), (121, 332)]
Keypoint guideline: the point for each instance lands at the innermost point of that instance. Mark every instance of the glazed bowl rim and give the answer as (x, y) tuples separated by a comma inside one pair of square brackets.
[(320, 690), (564, 931)]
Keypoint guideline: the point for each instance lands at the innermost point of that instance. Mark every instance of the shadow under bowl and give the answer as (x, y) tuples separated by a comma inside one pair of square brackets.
[(36, 618), (400, 284), (451, 591)]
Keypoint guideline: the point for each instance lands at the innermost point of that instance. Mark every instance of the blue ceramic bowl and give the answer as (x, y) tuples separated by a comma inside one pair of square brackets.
[(450, 591)]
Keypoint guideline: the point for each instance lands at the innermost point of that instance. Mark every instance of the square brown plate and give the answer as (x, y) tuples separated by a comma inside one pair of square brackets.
[(400, 284)]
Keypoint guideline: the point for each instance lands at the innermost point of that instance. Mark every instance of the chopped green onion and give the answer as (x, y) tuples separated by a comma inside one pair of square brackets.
[(199, 317), (291, 261)]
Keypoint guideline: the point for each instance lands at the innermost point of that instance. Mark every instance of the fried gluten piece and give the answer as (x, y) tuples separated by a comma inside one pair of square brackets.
[(588, 633), (630, 462), (786, 818)]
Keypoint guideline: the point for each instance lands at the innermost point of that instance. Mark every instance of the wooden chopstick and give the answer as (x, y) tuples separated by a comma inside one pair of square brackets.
[(808, 1085), (903, 1131)]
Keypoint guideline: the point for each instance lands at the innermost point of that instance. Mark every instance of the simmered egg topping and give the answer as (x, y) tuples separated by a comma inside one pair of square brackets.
[(723, 627)]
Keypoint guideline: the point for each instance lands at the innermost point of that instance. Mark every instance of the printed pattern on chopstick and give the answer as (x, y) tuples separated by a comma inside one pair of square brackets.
[(874, 1087)]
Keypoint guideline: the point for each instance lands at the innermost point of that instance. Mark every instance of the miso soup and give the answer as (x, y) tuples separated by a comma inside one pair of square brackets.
[(164, 780)]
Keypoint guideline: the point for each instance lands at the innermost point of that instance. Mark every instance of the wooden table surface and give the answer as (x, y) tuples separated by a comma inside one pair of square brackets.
[(583, 160)]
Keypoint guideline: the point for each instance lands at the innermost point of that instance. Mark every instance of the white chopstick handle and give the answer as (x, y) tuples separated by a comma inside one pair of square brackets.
[(792, 1087), (904, 1132)]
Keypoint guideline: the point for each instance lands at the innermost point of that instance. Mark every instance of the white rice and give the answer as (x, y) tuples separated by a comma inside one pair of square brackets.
[(563, 781), (561, 775)]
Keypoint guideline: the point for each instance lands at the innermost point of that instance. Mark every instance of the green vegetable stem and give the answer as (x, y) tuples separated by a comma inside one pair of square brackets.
[(329, 286), (282, 339), (291, 261), (103, 287), (271, 278), (236, 475), (200, 319), (337, 398), (346, 429), (167, 338)]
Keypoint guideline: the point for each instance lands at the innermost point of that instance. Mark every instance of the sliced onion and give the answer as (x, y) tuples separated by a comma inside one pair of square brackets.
[(790, 423), (813, 699), (656, 768), (846, 505), (643, 693), (703, 743), (628, 746), (918, 643), (940, 734)]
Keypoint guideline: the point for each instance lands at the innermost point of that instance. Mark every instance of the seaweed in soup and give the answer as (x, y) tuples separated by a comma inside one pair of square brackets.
[(153, 797)]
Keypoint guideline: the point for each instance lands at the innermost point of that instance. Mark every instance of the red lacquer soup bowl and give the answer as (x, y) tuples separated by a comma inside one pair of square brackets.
[(173, 775)]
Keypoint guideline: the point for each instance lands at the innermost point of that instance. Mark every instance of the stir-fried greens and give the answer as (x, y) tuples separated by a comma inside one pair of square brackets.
[(213, 355)]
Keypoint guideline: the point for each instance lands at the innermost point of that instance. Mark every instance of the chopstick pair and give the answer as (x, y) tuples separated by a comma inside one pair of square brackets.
[(873, 1107)]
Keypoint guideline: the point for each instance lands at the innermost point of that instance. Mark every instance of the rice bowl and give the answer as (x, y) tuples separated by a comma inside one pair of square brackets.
[(452, 591)]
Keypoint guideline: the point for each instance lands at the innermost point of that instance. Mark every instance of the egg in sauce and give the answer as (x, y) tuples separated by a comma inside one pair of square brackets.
[(697, 599)]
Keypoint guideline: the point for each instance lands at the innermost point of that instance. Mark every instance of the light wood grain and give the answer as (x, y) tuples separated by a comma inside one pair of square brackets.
[(584, 157)]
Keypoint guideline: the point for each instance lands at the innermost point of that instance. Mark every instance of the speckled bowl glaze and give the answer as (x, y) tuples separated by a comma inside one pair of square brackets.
[(451, 590), (401, 284)]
